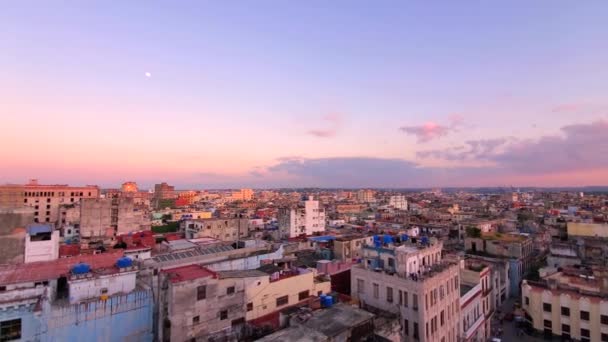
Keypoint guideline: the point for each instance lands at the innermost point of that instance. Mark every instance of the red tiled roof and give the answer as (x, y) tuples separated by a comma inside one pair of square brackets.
[(69, 250), (190, 272), (46, 270)]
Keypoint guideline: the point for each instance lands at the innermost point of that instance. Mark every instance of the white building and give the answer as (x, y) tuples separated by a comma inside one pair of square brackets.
[(41, 243), (305, 219), (398, 202)]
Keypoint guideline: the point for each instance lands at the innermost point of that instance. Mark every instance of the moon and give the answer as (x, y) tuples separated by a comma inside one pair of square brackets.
[(148, 74)]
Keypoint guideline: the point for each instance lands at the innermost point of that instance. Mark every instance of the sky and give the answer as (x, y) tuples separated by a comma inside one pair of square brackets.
[(228, 94)]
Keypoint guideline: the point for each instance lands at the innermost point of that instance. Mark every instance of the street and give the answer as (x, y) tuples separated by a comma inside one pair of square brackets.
[(510, 329)]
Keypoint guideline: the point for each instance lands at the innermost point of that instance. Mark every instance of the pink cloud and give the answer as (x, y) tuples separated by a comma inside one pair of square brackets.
[(432, 130), (332, 122)]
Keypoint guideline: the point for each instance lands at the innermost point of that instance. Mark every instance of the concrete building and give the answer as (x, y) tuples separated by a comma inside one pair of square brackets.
[(200, 305), (410, 279), (571, 304), (232, 229), (61, 300), (476, 301), (41, 243), (45, 199), (339, 322), (280, 288), (350, 208), (500, 284), (398, 202), (366, 196), (305, 219), (164, 191), (350, 247), (102, 219), (595, 230), (516, 248), (12, 231), (242, 195)]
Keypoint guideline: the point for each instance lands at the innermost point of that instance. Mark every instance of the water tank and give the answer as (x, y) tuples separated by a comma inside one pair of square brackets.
[(388, 239), (424, 240), (326, 301), (124, 262), (404, 237), (376, 238), (81, 268)]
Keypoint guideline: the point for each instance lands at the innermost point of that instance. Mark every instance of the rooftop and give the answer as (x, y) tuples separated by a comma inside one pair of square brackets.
[(503, 237), (45, 270), (337, 319), (241, 274), (38, 228), (190, 272)]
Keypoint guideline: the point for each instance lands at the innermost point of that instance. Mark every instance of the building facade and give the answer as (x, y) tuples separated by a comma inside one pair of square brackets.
[(306, 219), (412, 281)]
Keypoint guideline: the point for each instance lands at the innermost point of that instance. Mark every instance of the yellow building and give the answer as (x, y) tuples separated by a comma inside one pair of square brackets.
[(265, 295), (588, 229), (570, 303)]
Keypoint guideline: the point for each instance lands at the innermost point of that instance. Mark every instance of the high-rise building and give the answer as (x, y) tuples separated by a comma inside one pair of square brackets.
[(305, 219), (47, 200)]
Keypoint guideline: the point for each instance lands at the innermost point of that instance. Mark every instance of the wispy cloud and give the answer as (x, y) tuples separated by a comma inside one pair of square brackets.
[(332, 123), (432, 130)]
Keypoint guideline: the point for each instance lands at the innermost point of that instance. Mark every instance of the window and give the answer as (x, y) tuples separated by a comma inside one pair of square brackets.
[(282, 300), (442, 318), (249, 306), (585, 315), (565, 329), (604, 337), (376, 288), (546, 307), (547, 323), (415, 301), (405, 298), (10, 330), (196, 319), (416, 336), (604, 319), (389, 294), (406, 327), (48, 206), (303, 295), (223, 314), (360, 286), (230, 290), (400, 297), (565, 311), (201, 292), (585, 333)]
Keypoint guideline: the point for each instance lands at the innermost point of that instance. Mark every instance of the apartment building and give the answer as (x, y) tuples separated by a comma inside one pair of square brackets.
[(45, 199), (570, 303), (515, 247), (305, 219), (242, 195), (411, 279), (350, 247), (102, 219), (476, 302), (231, 229), (198, 304), (499, 282), (366, 196), (398, 202)]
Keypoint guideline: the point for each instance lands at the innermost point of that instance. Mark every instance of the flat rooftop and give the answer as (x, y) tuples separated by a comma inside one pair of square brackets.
[(190, 272), (337, 319), (46, 270)]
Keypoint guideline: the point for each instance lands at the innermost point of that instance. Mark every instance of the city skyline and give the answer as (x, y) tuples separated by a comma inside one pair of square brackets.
[(319, 94)]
